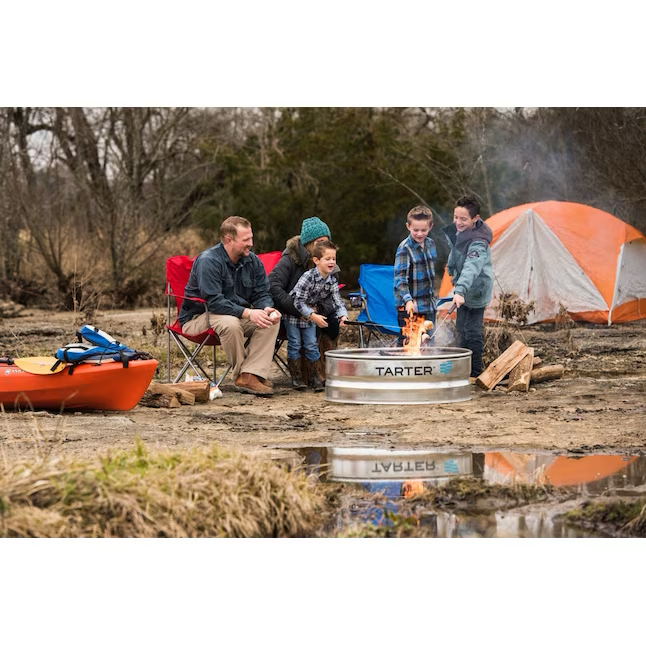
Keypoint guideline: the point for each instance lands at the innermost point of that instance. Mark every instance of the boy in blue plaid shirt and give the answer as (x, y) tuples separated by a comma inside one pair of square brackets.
[(415, 269), (315, 286)]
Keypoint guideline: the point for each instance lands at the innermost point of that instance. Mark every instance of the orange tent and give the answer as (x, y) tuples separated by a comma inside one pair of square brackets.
[(557, 253)]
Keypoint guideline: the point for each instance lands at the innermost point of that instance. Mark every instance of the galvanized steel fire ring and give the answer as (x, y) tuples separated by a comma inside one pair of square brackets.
[(437, 375)]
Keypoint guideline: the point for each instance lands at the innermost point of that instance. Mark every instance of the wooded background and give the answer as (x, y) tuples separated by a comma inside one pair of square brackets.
[(92, 200)]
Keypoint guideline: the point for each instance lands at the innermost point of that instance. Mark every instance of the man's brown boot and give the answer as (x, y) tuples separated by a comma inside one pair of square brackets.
[(248, 383), (294, 366)]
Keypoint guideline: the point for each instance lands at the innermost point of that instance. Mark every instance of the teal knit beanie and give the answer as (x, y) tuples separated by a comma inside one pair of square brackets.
[(313, 228)]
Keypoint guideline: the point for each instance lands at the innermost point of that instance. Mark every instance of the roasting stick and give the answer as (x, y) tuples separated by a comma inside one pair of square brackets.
[(442, 322)]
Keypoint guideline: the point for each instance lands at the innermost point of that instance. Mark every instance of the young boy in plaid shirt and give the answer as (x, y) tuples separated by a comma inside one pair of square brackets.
[(315, 286), (415, 269)]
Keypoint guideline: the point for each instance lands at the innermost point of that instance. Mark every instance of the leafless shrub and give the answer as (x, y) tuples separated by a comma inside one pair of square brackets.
[(9, 309), (513, 309), (157, 325), (563, 323), (563, 320), (497, 338)]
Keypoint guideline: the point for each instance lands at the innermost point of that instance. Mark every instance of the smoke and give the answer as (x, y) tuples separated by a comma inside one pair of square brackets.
[(445, 334), (589, 155), (527, 158)]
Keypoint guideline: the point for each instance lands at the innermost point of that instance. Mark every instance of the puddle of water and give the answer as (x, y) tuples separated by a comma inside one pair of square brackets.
[(376, 481)]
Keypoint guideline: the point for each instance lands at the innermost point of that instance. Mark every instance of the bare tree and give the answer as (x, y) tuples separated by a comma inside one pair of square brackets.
[(123, 178)]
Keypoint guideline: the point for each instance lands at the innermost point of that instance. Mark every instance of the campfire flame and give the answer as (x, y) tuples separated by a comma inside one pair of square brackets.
[(414, 331)]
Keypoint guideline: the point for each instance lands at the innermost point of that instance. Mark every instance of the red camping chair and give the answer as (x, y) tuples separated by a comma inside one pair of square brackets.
[(178, 269), (269, 261)]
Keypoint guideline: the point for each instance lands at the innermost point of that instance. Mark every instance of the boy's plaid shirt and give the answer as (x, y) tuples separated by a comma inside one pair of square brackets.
[(312, 289), (414, 272)]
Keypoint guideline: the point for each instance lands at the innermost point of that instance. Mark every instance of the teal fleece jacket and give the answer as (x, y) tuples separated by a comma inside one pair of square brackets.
[(469, 263)]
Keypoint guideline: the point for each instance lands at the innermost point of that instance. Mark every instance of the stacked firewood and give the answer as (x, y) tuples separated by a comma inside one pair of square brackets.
[(517, 361), (185, 393)]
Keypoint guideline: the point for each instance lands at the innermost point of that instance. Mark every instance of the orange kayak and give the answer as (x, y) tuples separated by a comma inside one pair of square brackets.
[(105, 386)]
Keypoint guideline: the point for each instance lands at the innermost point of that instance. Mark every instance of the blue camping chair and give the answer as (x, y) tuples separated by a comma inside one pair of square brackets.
[(377, 319)]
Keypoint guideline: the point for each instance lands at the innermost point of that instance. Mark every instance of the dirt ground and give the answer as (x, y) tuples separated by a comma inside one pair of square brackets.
[(598, 406)]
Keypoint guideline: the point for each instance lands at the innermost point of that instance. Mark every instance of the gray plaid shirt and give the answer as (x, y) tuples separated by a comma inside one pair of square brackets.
[(312, 289)]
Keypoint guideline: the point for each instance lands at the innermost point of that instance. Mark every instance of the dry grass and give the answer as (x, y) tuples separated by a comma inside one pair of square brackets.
[(637, 526), (396, 526), (197, 493), (615, 517)]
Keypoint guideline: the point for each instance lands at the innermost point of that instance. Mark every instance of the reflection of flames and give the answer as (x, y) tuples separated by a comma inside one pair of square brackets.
[(414, 331), (412, 488)]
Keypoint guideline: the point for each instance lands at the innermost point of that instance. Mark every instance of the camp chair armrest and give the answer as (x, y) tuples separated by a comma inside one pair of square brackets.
[(189, 298), (357, 300), (170, 292), (195, 299)]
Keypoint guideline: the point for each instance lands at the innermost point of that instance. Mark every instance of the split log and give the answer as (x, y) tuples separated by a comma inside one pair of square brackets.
[(159, 400), (536, 362), (546, 373), (200, 389), (521, 372), (500, 367), (183, 396)]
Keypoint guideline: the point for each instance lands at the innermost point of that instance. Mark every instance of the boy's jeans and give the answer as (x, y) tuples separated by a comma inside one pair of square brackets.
[(468, 323), (302, 336)]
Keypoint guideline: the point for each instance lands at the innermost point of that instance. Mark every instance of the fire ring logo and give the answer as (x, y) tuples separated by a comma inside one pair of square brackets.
[(404, 371), (446, 367), (451, 466)]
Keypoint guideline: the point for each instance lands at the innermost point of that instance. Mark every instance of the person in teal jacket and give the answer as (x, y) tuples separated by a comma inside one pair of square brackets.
[(469, 266)]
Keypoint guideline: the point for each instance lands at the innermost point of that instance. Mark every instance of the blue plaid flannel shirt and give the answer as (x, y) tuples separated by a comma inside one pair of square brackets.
[(312, 289), (414, 273)]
